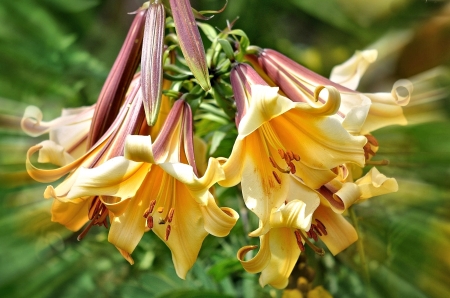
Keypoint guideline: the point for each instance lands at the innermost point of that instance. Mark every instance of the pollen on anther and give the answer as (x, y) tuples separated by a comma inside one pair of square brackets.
[(152, 205), (296, 157), (292, 167), (150, 222), (168, 229), (281, 152), (276, 177), (322, 227), (146, 213), (272, 162), (170, 216), (290, 155)]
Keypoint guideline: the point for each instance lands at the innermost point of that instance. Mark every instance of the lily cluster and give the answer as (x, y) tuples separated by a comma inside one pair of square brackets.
[(132, 160)]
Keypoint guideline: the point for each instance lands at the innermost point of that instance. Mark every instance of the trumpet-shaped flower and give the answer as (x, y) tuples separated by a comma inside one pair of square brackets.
[(155, 187), (283, 243), (278, 138), (359, 113), (76, 213)]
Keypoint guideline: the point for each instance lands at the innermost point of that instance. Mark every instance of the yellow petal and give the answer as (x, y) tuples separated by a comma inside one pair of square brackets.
[(284, 254), (347, 195), (350, 72), (233, 166), (218, 221), (260, 260), (73, 215), (341, 234), (374, 184), (139, 148)]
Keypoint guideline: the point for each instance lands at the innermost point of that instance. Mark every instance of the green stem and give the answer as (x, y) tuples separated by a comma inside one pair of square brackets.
[(360, 248)]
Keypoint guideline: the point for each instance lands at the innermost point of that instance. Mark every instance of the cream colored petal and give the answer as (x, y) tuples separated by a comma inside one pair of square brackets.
[(72, 215), (233, 166), (347, 195), (117, 177), (292, 215), (127, 229), (354, 107), (53, 153), (199, 187), (46, 176), (284, 254), (260, 260), (33, 125), (350, 72), (341, 234), (139, 149), (187, 230), (260, 189), (265, 104), (218, 221), (382, 115), (374, 184)]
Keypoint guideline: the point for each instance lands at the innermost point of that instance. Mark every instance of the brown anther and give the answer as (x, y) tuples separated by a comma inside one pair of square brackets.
[(168, 229), (160, 209), (308, 234), (282, 154), (146, 213), (322, 227), (296, 156), (276, 177), (299, 241), (372, 140), (272, 162), (152, 205), (150, 222), (170, 216), (317, 230), (95, 208), (102, 216), (290, 155), (292, 167), (313, 234)]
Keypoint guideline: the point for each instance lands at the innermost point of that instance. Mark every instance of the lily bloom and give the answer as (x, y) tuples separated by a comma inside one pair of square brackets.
[(279, 138), (359, 113), (76, 213), (156, 187)]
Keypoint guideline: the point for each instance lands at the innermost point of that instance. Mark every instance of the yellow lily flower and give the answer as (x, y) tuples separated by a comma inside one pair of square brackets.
[(278, 138), (76, 213), (283, 243), (359, 113), (155, 187)]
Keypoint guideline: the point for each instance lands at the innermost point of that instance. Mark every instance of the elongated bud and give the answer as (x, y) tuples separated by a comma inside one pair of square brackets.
[(190, 42), (242, 77), (119, 78), (152, 60)]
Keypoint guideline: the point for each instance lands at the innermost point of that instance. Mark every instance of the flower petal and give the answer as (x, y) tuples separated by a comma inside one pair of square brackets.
[(260, 260), (73, 215), (218, 221), (374, 184), (340, 233)]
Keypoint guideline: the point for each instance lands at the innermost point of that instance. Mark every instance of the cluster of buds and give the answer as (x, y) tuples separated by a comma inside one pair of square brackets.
[(133, 156)]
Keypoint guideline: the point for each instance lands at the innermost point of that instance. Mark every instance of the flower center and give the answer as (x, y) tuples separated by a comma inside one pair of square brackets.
[(165, 202), (317, 228), (97, 215), (273, 144)]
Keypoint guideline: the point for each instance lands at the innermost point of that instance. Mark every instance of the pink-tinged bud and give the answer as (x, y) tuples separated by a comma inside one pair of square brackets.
[(190, 42), (116, 85), (295, 80), (152, 60), (179, 121), (242, 77)]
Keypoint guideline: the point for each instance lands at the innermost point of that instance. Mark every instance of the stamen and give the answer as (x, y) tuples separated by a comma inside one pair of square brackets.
[(94, 209), (160, 209), (168, 229), (150, 222), (290, 155), (170, 216), (85, 231), (383, 162), (152, 205), (274, 164), (322, 227), (292, 167), (276, 177), (317, 250), (281, 152), (316, 229), (296, 156), (313, 234), (372, 140), (299, 241)]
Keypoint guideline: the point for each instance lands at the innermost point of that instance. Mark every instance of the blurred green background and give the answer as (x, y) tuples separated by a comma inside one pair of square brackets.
[(57, 53)]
